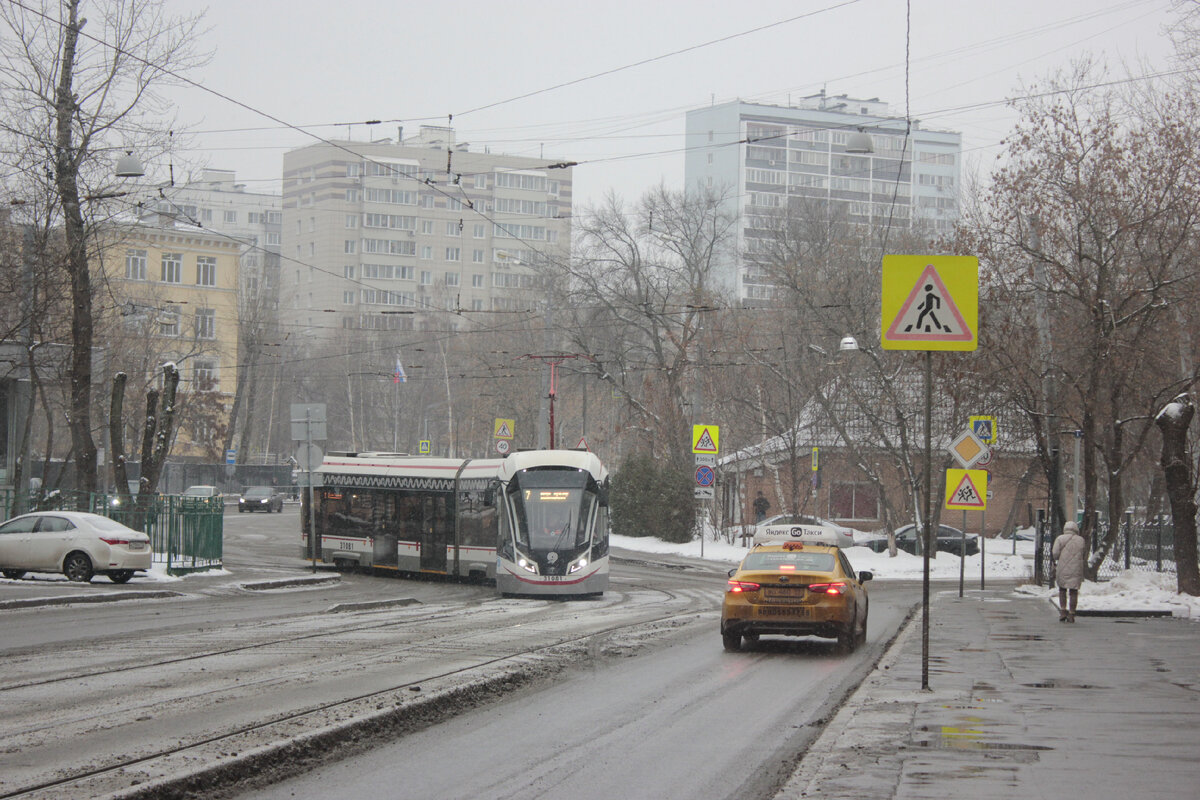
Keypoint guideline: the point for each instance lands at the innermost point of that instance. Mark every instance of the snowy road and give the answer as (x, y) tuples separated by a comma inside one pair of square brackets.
[(126, 697)]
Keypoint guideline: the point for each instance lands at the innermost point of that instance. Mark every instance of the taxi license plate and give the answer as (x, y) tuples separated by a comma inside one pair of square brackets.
[(137, 545), (794, 593), (792, 612)]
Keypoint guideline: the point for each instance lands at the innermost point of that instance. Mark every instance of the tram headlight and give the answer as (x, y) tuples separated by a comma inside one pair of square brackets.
[(527, 564), (578, 565)]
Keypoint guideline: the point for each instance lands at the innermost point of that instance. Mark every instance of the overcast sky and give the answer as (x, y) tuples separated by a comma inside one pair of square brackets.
[(327, 68)]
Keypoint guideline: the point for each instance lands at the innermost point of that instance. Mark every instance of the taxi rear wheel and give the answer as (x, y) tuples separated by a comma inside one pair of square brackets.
[(731, 640)]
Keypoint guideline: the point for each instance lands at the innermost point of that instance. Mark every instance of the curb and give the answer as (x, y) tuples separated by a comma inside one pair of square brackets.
[(33, 602)]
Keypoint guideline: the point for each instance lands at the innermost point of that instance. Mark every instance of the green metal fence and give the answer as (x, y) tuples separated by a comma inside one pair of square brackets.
[(187, 533)]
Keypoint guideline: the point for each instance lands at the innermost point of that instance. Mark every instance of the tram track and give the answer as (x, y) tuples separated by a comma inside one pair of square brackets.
[(286, 689), (288, 740)]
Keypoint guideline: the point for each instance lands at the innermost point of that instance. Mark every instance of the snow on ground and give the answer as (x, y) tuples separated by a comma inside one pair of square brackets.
[(1129, 591)]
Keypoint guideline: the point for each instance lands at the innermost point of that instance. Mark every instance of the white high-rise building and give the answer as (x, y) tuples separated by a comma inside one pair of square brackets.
[(383, 235), (769, 158)]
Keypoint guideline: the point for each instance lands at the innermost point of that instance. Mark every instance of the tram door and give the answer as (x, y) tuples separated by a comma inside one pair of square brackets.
[(437, 531)]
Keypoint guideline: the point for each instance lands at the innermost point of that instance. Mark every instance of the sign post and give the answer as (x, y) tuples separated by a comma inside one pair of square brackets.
[(308, 423), (929, 303)]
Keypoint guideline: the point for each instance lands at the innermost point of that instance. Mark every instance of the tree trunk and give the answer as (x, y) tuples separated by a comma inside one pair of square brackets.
[(116, 436), (1176, 462), (66, 169)]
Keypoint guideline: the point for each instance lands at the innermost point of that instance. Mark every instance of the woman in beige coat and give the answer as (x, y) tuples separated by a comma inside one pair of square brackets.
[(1068, 553)]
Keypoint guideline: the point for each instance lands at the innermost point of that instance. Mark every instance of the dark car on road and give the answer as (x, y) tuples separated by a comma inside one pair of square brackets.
[(261, 498), (949, 540)]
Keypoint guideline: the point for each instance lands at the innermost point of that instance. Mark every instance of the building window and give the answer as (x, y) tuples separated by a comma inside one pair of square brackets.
[(135, 265), (426, 253), (348, 297), (231, 217), (348, 271), (476, 256), (206, 271), (453, 229), (168, 321), (477, 281), (348, 246), (426, 277), (172, 267), (204, 374), (352, 220), (478, 230), (206, 323), (452, 279), (273, 238), (427, 226), (454, 254), (853, 501)]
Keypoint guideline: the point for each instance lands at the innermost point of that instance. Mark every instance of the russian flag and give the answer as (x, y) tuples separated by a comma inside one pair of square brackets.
[(398, 376)]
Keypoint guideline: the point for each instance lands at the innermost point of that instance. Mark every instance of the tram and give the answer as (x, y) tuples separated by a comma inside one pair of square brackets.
[(535, 522)]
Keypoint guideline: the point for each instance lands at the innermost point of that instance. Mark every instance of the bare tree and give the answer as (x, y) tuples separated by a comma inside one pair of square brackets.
[(637, 298), (80, 97)]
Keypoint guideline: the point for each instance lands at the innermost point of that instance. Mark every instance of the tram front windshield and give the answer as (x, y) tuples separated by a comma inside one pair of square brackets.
[(553, 509)]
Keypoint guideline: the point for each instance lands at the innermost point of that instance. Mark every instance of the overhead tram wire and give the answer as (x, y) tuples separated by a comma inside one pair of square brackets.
[(654, 59)]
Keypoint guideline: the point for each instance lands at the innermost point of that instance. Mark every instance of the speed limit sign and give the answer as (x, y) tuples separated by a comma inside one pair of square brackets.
[(502, 446)]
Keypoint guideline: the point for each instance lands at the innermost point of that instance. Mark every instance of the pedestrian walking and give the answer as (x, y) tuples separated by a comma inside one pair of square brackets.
[(761, 506), (1068, 553)]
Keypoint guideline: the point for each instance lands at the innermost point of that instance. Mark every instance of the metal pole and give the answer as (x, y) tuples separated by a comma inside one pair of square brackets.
[(928, 501), (962, 556), (313, 544), (983, 543)]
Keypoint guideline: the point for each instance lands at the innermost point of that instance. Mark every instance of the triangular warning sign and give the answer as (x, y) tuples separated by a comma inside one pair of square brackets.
[(705, 443), (966, 496), (503, 431), (929, 314)]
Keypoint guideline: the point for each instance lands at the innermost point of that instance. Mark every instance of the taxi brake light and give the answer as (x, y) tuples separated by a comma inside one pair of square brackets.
[(827, 588), (738, 587), (112, 540)]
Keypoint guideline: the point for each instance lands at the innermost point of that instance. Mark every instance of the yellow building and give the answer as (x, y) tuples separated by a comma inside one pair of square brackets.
[(168, 294)]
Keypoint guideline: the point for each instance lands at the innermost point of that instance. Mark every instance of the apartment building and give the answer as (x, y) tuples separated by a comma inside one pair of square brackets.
[(171, 295), (771, 158), (385, 235), (216, 202)]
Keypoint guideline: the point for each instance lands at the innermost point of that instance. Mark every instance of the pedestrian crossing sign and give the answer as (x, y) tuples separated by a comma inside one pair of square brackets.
[(504, 428), (966, 489), (930, 303)]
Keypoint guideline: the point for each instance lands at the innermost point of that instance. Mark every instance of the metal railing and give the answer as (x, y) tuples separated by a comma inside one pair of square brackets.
[(186, 533), (1141, 547)]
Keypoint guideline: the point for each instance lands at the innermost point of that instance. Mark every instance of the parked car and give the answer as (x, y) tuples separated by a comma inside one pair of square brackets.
[(261, 498), (844, 536), (949, 540), (77, 544)]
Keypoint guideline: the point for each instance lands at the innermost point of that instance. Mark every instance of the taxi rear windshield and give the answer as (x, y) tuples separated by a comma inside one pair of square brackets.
[(804, 562)]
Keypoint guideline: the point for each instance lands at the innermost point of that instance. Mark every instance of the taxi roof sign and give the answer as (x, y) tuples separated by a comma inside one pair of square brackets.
[(788, 534)]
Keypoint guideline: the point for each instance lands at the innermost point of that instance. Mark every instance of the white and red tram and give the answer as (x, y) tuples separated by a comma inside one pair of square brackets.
[(535, 522)]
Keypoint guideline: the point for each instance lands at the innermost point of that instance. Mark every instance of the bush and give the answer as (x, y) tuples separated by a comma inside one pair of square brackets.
[(651, 499)]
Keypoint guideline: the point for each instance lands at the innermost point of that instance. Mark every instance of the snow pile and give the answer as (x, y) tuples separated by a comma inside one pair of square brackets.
[(1129, 591)]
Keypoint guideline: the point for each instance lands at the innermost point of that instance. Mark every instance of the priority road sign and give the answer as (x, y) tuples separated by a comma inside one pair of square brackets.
[(930, 302)]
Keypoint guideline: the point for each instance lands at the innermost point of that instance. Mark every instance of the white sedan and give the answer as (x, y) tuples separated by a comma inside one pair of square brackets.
[(77, 544)]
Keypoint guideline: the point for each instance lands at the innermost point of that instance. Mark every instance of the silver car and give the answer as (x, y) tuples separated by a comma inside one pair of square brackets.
[(77, 544)]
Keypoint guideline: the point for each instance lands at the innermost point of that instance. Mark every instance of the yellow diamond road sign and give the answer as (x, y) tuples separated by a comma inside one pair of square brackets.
[(966, 489), (930, 303)]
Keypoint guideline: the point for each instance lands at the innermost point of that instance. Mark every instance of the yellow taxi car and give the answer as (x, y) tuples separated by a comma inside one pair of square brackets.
[(795, 583)]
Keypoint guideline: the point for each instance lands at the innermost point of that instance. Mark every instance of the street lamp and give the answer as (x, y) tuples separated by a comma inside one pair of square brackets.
[(128, 166)]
